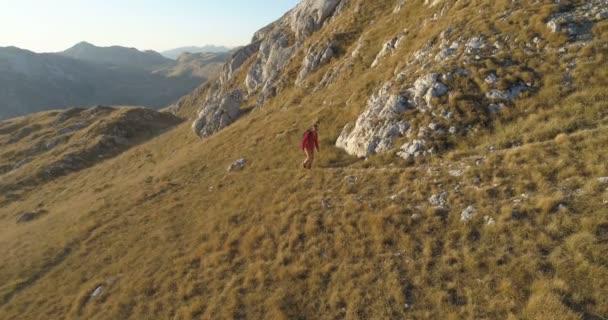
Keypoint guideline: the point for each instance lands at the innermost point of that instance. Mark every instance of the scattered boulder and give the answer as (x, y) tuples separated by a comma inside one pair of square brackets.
[(475, 43), (578, 20), (439, 200), (426, 88), (507, 95), (491, 78), (412, 149), (237, 165), (456, 173), (387, 50), (468, 213), (603, 180), (97, 292)]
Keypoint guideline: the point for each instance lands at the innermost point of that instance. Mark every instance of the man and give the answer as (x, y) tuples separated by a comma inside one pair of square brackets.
[(310, 142)]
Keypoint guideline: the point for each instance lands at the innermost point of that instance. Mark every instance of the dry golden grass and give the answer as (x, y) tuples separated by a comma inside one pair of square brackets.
[(171, 235)]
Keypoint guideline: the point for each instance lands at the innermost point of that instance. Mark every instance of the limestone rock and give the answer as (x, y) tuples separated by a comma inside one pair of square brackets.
[(412, 149), (376, 127), (237, 59), (439, 200), (491, 78), (237, 165), (97, 292), (219, 112), (315, 58), (468, 213), (426, 88)]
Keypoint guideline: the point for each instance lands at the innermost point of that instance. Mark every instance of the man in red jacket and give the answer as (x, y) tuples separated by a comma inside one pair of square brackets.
[(310, 142)]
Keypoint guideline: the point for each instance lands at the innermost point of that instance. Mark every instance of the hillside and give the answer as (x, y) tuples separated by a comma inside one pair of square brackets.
[(175, 53), (462, 174), (31, 82), (117, 56), (201, 65)]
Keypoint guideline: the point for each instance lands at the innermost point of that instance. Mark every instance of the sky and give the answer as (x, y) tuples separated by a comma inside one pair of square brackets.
[(55, 25)]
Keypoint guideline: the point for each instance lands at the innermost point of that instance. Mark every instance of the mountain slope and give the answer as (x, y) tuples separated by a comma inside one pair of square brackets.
[(201, 65), (117, 56), (31, 82), (175, 53), (502, 218)]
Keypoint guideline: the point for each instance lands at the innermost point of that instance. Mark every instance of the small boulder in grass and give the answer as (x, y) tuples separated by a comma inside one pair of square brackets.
[(603, 180), (468, 213), (237, 165), (97, 292)]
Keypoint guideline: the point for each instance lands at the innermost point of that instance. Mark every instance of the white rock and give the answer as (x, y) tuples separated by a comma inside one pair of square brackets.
[(97, 292), (237, 165), (427, 87), (456, 172), (467, 213), (491, 78), (412, 149), (603, 180), (434, 126), (439, 200), (387, 49), (475, 43), (376, 127), (218, 112), (315, 58), (446, 53)]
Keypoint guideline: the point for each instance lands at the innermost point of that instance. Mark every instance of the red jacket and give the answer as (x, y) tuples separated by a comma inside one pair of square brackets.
[(310, 140)]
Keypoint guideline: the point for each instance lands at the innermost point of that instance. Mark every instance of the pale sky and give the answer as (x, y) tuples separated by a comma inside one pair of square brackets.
[(55, 25)]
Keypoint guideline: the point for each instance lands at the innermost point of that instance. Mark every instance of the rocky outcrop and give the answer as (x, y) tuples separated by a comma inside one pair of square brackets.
[(272, 49), (577, 21), (426, 88), (387, 50), (237, 59), (315, 58), (376, 128), (219, 111)]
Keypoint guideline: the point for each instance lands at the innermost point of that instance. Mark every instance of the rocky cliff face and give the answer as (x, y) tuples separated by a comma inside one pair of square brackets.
[(445, 79), (271, 50)]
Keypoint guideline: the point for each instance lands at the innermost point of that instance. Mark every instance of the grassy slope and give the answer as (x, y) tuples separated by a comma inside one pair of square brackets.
[(171, 234)]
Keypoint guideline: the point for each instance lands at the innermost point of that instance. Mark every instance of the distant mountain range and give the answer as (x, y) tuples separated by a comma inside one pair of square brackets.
[(87, 75), (118, 56), (175, 53)]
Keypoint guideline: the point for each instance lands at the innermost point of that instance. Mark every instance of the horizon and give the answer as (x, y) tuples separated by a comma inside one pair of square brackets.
[(54, 27)]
